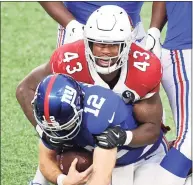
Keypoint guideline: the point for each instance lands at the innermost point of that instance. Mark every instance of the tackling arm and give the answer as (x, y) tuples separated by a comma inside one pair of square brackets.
[(26, 89), (58, 12), (148, 112), (103, 165)]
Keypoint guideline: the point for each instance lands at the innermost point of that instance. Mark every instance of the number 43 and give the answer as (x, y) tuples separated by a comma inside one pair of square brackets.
[(142, 66), (68, 56)]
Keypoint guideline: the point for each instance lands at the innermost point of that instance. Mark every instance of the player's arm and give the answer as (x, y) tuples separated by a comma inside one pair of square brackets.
[(159, 17), (58, 12), (48, 163), (148, 113), (103, 165), (73, 29), (158, 20), (26, 89), (51, 171)]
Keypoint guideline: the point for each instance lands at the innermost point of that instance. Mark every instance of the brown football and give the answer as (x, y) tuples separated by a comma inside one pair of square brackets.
[(84, 159)]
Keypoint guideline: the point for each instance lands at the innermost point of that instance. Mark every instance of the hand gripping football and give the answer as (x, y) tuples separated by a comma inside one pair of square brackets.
[(84, 159)]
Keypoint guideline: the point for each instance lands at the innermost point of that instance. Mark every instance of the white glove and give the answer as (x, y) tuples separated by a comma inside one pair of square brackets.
[(74, 32), (153, 41)]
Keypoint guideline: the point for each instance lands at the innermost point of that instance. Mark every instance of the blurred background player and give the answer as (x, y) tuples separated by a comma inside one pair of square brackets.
[(71, 17), (70, 115), (176, 58)]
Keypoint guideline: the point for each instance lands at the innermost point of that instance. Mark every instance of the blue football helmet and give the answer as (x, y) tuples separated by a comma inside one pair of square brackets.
[(58, 107)]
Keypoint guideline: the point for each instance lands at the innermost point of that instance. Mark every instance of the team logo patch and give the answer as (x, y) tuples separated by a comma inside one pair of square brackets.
[(128, 97)]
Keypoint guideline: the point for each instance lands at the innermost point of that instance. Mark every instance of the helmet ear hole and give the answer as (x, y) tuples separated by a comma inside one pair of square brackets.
[(90, 45), (122, 47)]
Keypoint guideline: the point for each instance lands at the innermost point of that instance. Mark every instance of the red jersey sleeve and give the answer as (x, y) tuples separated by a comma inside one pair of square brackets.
[(145, 72), (54, 61), (70, 59)]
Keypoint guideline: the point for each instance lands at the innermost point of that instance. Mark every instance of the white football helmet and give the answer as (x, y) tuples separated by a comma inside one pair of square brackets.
[(109, 24)]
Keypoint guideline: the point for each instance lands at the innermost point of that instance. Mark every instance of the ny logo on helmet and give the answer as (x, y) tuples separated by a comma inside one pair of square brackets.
[(69, 95)]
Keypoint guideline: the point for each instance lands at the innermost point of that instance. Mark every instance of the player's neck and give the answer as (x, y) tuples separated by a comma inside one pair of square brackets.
[(112, 78)]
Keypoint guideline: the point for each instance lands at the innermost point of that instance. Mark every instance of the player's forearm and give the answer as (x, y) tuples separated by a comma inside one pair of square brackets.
[(103, 165), (148, 113), (145, 134), (50, 170), (26, 89), (24, 96), (58, 12), (48, 164), (159, 16)]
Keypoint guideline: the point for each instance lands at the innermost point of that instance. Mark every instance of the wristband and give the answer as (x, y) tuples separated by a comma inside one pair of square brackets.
[(73, 23), (154, 32), (129, 137), (60, 179)]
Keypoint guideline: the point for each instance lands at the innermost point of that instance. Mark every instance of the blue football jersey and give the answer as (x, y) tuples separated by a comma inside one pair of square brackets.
[(81, 10), (179, 28), (102, 109)]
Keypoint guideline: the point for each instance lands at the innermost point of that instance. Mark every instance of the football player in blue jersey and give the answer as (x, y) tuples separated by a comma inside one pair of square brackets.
[(176, 59), (71, 17), (70, 114)]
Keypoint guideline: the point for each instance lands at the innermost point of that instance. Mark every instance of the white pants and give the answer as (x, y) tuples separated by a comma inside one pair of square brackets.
[(189, 180), (61, 33), (177, 84), (139, 172)]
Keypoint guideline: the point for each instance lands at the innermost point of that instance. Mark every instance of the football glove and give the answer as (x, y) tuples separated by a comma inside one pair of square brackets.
[(74, 32), (113, 137), (153, 41)]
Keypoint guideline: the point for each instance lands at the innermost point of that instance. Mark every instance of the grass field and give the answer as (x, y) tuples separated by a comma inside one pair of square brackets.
[(28, 37)]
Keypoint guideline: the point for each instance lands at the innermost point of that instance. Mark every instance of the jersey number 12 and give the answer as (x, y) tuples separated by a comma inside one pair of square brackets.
[(96, 103)]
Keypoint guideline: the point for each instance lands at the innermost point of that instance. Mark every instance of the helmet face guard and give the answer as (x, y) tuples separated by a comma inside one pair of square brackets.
[(62, 131), (114, 62), (63, 104), (108, 25)]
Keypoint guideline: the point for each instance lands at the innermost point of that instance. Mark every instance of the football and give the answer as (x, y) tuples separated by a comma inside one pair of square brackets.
[(84, 159)]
